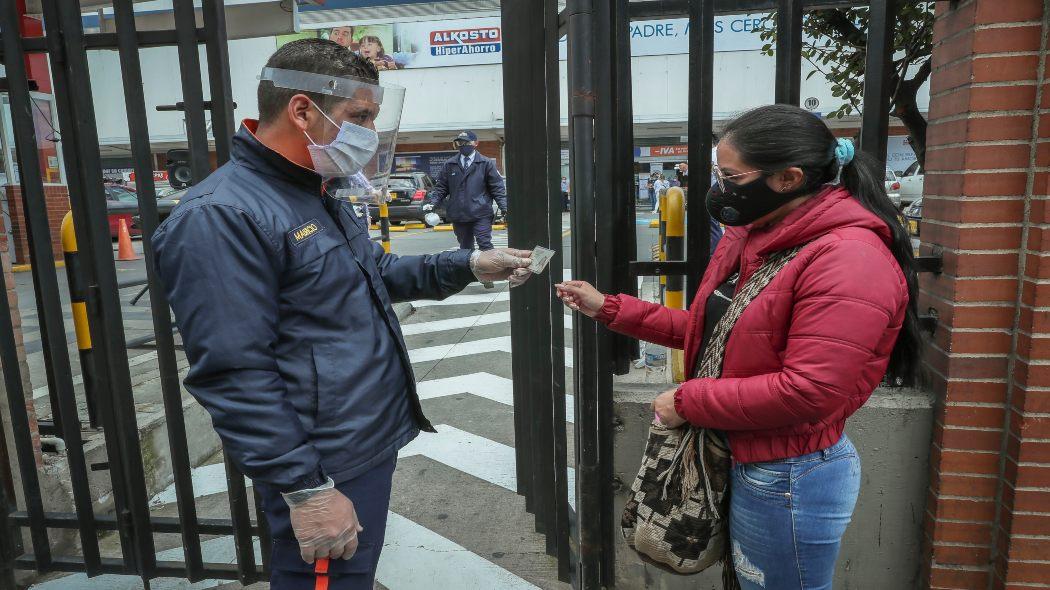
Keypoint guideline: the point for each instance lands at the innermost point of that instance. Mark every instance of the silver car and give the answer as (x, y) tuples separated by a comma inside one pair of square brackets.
[(893, 188)]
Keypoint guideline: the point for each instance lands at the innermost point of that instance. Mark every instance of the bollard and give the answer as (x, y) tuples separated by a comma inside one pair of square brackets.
[(675, 250), (78, 301), (384, 225), (663, 240)]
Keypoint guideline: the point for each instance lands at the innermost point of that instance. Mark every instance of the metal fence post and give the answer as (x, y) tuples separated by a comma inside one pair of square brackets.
[(384, 224)]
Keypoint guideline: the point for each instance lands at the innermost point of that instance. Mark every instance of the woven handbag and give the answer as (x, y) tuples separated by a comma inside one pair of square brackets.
[(677, 515)]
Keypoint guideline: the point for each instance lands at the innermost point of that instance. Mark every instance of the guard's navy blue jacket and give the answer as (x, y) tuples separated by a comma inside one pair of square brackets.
[(286, 318), (470, 192)]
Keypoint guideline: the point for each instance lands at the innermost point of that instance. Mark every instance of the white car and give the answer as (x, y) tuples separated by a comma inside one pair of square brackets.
[(893, 188), (911, 184)]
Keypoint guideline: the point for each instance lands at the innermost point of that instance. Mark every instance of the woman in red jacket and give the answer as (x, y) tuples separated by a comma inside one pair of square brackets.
[(806, 353)]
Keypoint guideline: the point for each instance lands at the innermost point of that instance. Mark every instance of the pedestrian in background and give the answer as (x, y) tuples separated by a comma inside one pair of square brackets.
[(661, 185), (650, 186), (565, 192), (471, 183)]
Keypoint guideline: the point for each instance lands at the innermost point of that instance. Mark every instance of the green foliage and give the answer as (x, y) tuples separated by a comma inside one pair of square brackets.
[(835, 46)]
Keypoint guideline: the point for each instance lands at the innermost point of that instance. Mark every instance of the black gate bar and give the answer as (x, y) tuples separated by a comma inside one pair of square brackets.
[(875, 121), (171, 391), (71, 77), (49, 306), (582, 112), (611, 224), (789, 52), (192, 92), (701, 127), (560, 522), (222, 120)]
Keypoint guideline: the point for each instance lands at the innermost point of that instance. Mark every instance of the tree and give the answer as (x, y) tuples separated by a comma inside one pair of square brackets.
[(835, 44)]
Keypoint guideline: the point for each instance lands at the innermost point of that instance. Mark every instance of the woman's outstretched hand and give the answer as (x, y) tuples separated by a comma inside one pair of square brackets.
[(581, 296)]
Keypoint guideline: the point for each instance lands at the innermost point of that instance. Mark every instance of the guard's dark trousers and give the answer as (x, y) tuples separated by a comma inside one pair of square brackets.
[(468, 231), (370, 493)]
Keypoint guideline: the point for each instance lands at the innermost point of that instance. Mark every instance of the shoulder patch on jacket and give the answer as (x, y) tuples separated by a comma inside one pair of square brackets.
[(305, 231)]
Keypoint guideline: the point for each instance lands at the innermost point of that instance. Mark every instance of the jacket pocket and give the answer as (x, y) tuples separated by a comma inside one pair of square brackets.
[(314, 386)]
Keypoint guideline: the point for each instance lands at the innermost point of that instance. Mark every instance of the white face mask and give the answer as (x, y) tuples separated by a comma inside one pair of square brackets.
[(353, 147)]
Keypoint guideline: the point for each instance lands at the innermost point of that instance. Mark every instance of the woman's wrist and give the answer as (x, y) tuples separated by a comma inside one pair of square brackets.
[(609, 310)]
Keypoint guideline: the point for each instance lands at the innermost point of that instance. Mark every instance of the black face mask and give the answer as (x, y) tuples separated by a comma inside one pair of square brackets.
[(743, 204)]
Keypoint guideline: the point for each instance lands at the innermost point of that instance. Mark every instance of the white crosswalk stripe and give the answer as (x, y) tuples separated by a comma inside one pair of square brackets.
[(486, 385)]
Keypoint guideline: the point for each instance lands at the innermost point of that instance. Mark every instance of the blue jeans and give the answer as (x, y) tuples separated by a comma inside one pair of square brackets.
[(370, 493), (787, 517)]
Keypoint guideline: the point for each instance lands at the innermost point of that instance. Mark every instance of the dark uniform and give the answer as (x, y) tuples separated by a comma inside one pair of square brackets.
[(470, 192), (284, 306)]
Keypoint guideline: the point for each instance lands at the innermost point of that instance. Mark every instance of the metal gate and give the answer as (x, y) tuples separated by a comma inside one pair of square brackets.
[(582, 534), (107, 373)]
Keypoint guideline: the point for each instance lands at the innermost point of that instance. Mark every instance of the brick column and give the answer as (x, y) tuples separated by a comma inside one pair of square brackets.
[(988, 510), (57, 199), (22, 368)]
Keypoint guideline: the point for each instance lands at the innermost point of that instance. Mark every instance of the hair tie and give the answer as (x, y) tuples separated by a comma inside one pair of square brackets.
[(844, 151)]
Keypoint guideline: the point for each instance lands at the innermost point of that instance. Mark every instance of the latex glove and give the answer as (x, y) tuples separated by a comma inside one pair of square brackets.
[(519, 276), (499, 264), (428, 208), (324, 522)]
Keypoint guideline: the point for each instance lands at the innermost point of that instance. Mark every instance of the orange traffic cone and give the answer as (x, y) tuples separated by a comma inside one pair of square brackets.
[(124, 249)]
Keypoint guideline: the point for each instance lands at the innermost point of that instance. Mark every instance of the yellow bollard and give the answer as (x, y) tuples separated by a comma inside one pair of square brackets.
[(384, 225), (78, 301), (675, 250), (663, 239)]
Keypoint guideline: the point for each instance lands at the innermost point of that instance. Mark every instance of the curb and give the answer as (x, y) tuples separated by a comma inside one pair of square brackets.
[(29, 267)]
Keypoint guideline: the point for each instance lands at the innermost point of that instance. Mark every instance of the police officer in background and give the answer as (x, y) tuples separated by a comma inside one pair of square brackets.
[(285, 309), (471, 183)]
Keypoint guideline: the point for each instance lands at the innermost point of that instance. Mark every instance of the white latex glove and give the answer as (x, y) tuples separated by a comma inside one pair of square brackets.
[(324, 522), (519, 276), (428, 208), (498, 264)]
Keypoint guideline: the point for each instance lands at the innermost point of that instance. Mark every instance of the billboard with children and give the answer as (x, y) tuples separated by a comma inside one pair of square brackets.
[(426, 44)]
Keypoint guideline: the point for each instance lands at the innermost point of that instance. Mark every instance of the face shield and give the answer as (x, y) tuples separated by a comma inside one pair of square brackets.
[(356, 148)]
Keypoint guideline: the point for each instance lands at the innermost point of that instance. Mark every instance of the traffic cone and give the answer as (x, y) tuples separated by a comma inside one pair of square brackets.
[(124, 249)]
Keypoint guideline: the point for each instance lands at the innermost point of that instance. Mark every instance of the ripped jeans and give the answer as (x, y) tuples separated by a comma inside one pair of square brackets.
[(787, 517)]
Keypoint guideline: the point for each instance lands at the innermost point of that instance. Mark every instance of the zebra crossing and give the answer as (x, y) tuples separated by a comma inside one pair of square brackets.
[(455, 518)]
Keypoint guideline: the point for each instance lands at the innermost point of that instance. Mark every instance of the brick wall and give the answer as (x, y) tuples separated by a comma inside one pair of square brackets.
[(985, 206), (489, 149), (23, 367), (57, 198)]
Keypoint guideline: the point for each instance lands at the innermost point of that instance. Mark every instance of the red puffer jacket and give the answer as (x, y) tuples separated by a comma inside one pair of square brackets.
[(809, 350)]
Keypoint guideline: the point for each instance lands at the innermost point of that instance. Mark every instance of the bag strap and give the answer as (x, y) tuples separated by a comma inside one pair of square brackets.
[(711, 363)]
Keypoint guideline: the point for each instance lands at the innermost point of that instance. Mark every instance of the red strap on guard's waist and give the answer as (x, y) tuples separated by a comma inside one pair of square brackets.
[(321, 569)]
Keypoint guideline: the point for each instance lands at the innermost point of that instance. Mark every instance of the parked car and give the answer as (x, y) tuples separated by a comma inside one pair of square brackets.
[(893, 188), (408, 191), (913, 216), (911, 184), (121, 202)]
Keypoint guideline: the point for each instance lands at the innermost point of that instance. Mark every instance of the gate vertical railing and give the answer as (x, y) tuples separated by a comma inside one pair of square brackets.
[(171, 391), (66, 44), (534, 149)]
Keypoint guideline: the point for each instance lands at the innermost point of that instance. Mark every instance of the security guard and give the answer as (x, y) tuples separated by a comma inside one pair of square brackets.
[(284, 306), (471, 183)]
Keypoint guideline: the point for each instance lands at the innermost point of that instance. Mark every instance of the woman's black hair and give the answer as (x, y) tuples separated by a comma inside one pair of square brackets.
[(780, 136)]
